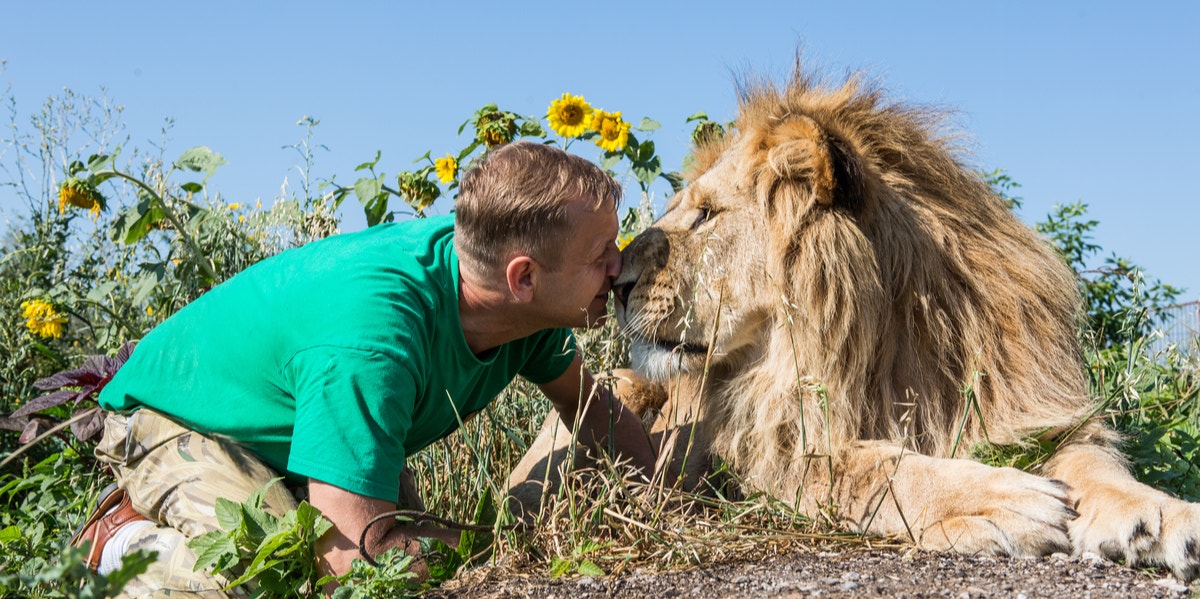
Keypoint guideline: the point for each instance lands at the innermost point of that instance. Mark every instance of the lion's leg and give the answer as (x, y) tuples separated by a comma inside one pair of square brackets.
[(1122, 518), (946, 504)]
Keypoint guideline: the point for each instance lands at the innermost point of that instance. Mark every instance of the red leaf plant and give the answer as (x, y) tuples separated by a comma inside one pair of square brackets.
[(80, 385)]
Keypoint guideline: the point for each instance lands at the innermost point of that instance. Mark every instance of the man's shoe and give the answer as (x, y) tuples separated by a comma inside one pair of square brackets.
[(113, 510)]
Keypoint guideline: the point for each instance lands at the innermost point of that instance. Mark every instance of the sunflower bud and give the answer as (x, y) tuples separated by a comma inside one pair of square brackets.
[(417, 190), (495, 128)]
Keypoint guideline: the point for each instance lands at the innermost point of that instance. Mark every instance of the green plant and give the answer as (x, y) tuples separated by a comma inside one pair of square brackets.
[(1117, 297), (276, 553)]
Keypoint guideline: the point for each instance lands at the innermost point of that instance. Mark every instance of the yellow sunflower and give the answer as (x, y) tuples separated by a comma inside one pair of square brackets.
[(79, 193), (570, 116), (42, 319), (446, 168), (614, 131)]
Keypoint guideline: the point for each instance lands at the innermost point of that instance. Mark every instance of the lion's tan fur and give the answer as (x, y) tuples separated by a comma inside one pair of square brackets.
[(930, 284)]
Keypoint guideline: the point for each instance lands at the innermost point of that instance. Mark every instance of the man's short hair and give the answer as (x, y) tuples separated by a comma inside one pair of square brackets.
[(515, 199)]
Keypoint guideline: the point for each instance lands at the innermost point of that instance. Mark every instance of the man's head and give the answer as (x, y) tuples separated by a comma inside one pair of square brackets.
[(516, 199), (545, 222)]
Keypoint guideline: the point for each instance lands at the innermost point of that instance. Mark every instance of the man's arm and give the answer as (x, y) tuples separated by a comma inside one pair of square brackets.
[(569, 394), (349, 513)]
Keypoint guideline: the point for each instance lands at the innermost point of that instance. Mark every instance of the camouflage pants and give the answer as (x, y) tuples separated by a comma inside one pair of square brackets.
[(173, 476)]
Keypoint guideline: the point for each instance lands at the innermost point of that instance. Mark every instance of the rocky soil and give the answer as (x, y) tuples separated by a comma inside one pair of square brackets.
[(856, 573)]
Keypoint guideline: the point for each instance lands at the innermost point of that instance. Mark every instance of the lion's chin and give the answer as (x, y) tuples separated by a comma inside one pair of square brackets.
[(659, 360)]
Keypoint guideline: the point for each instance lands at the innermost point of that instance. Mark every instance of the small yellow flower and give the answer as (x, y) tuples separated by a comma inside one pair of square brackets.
[(614, 131), (235, 206), (241, 218), (447, 168), (623, 241), (570, 116), (42, 319), (150, 310), (81, 194)]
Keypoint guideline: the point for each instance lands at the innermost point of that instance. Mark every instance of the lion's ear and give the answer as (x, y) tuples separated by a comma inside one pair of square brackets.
[(810, 167)]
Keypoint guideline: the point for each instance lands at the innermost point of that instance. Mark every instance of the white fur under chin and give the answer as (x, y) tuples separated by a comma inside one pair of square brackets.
[(655, 362)]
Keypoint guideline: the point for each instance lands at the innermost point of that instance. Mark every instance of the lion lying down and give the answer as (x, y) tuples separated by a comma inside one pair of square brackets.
[(814, 302)]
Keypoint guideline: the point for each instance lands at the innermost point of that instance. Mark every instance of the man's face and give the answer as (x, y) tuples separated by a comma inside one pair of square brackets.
[(576, 294)]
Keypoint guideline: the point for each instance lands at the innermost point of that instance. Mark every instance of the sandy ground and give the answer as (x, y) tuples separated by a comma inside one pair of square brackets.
[(855, 573)]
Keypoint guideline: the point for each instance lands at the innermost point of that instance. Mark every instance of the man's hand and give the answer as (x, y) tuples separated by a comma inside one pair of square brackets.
[(570, 392), (349, 513)]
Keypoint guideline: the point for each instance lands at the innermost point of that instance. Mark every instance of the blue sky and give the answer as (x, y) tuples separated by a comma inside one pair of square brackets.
[(1090, 101)]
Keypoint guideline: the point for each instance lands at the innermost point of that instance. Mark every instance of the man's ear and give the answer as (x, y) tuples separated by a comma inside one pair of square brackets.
[(521, 274)]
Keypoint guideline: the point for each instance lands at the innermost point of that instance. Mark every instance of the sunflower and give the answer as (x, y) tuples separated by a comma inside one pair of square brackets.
[(570, 116), (495, 128), (416, 190), (42, 319), (446, 168), (614, 132), (81, 194)]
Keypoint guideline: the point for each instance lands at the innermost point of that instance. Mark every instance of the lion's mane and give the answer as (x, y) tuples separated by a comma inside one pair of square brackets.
[(915, 307)]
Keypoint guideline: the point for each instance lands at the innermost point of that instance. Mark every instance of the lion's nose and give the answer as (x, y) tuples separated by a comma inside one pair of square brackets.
[(622, 291)]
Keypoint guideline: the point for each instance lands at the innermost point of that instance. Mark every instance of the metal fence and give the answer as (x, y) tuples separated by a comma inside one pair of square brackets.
[(1180, 328)]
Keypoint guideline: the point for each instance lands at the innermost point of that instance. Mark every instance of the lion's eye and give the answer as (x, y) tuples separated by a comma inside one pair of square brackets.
[(705, 214)]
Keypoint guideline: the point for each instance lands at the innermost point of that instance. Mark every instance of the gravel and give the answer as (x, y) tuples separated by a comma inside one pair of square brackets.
[(857, 573)]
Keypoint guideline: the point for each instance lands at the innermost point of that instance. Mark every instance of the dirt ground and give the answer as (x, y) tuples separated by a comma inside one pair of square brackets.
[(854, 573)]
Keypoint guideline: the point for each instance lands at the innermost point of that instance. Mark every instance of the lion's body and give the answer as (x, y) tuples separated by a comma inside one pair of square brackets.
[(853, 311)]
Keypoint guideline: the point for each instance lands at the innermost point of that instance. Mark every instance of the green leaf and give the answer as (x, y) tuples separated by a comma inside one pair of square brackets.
[(138, 222), (370, 165), (10, 534), (647, 172), (200, 159), (192, 187), (648, 124), (532, 129), (441, 559), (367, 190), (211, 549), (152, 275), (229, 514), (610, 159), (258, 522), (587, 568), (699, 116), (675, 179), (99, 162), (645, 151), (559, 567), (101, 291)]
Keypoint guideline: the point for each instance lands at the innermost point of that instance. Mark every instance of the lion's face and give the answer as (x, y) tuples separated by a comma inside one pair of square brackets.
[(769, 218), (692, 287)]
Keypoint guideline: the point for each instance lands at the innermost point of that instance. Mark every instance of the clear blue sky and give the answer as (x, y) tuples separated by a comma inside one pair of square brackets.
[(1091, 101)]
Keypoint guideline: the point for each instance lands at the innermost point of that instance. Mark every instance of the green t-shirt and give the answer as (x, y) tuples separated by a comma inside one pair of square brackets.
[(335, 360)]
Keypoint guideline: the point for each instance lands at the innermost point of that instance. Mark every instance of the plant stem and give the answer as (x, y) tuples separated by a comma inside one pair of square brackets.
[(187, 239)]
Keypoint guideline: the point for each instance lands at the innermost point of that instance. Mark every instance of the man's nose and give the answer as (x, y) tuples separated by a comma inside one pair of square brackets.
[(614, 266)]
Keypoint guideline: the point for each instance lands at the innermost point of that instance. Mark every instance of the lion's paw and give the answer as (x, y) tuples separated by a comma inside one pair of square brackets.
[(1142, 526), (1009, 513)]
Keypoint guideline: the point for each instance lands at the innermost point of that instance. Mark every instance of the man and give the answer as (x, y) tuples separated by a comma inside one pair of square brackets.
[(331, 363)]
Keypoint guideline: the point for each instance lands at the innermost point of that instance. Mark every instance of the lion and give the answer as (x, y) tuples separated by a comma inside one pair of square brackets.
[(842, 309)]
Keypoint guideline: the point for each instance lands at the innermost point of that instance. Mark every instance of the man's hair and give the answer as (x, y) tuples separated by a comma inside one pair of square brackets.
[(516, 198)]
